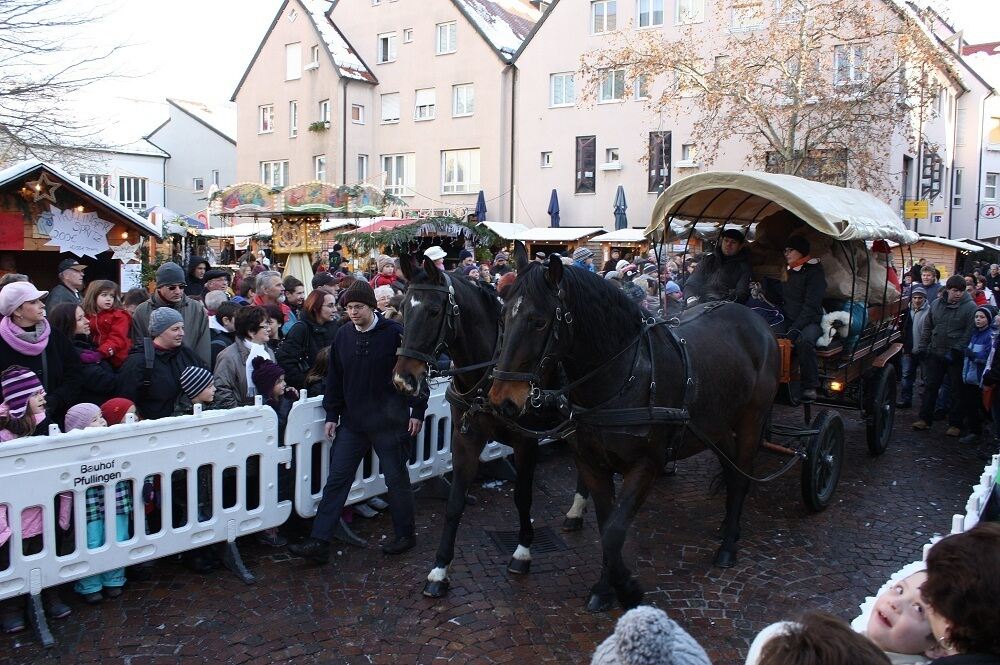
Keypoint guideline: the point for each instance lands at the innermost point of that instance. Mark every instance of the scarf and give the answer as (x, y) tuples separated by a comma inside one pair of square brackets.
[(25, 342), (255, 350), (795, 265)]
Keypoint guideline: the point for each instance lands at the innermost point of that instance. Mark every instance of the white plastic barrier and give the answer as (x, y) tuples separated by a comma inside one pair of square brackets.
[(202, 449), (304, 433), (959, 524)]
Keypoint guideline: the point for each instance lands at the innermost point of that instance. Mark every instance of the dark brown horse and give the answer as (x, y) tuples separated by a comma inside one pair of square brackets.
[(640, 393), (448, 312)]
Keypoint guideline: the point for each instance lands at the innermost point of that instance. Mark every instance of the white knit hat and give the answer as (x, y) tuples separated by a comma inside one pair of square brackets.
[(647, 636)]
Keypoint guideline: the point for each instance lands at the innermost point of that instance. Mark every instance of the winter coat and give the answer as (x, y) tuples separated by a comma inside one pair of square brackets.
[(220, 340), (157, 399), (382, 280), (300, 347), (60, 373), (285, 309), (195, 287), (99, 380), (721, 277), (359, 391), (968, 659), (976, 354), (196, 335), (111, 332), (803, 295), (231, 375), (59, 294), (948, 327), (913, 323)]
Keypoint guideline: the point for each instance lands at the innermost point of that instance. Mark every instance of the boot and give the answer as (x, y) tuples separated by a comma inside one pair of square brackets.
[(969, 439), (55, 608), (313, 549), (400, 544), (343, 533)]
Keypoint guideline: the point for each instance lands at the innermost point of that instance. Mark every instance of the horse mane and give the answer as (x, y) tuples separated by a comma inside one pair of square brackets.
[(489, 299), (612, 319)]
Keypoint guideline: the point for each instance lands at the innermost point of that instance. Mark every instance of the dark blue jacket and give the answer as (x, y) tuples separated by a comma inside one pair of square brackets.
[(359, 390)]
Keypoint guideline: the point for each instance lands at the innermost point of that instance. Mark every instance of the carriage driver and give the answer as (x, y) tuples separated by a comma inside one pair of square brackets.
[(803, 309), (724, 274)]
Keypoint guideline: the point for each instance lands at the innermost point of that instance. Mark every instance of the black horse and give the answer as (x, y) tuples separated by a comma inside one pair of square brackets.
[(641, 393), (448, 312)]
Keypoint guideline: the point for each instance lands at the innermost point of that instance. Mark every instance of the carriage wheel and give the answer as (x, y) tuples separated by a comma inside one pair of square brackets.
[(824, 456), (881, 410)]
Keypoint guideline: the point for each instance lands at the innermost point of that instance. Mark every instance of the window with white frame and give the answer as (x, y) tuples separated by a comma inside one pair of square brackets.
[(641, 87), (586, 164), (198, 184), (386, 48), (562, 91), (990, 186), (603, 16), (848, 64), (390, 107), (362, 168), (101, 183), (423, 104), (293, 61), (319, 167), (447, 37), (215, 177), (746, 14), (132, 192), (358, 114), (407, 35), (459, 171), (688, 152), (463, 100), (324, 111), (612, 155), (956, 189), (314, 55), (613, 85), (650, 12), (546, 159), (689, 11), (265, 122), (274, 174), (399, 173), (293, 118)]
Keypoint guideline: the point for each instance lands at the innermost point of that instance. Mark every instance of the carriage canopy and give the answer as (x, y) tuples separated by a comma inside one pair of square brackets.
[(748, 197)]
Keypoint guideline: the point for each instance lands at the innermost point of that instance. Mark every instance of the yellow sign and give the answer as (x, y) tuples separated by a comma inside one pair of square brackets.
[(915, 209)]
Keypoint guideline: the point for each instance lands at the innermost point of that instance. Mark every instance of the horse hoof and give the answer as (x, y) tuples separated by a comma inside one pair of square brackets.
[(572, 524), (598, 603), (436, 589), (725, 559), (630, 594), (519, 566)]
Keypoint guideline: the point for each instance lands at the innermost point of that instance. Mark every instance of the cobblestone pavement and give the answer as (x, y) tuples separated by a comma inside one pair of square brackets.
[(365, 608)]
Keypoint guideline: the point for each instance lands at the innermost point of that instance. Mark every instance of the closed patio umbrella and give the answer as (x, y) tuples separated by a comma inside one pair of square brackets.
[(481, 207), (621, 220), (554, 209)]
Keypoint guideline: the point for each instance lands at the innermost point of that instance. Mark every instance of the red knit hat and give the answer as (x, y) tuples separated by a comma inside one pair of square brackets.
[(114, 410)]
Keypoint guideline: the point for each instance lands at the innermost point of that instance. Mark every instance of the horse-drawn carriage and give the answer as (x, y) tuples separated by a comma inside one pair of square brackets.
[(852, 231)]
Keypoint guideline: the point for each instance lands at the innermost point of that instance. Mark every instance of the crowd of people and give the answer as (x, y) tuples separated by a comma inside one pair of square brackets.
[(85, 355)]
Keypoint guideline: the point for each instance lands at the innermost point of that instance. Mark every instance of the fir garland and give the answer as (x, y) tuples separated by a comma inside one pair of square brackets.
[(401, 237)]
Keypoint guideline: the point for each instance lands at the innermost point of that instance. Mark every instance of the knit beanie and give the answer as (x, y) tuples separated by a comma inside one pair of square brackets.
[(647, 636), (671, 287), (799, 244), (464, 254), (581, 253), (361, 292), (80, 416), (612, 274), (989, 312), (468, 269), (194, 379), (162, 318), (500, 256), (265, 374), (114, 409), (18, 384), (169, 273), (649, 269), (382, 261), (621, 265), (322, 279)]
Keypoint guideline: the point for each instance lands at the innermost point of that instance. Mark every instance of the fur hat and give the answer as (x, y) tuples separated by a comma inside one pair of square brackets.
[(799, 244), (360, 291), (382, 261), (266, 373), (18, 384), (80, 416), (169, 273), (434, 253), (647, 636), (194, 379), (162, 318), (582, 253), (16, 294), (115, 408)]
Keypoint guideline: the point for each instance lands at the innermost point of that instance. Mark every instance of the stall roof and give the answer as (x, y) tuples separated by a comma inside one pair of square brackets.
[(982, 243), (30, 166), (333, 224), (505, 230), (948, 242), (750, 196), (622, 235)]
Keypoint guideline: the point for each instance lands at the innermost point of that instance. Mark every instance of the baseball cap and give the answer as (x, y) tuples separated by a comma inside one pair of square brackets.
[(70, 264)]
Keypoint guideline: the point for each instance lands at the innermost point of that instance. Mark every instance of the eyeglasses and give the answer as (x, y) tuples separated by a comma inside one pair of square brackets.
[(175, 287), (355, 308)]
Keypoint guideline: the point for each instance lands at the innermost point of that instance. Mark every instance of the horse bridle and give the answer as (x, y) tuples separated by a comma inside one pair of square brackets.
[(447, 329)]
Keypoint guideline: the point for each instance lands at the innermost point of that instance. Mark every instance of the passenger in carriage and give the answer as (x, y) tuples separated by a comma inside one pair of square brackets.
[(724, 274), (803, 309)]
